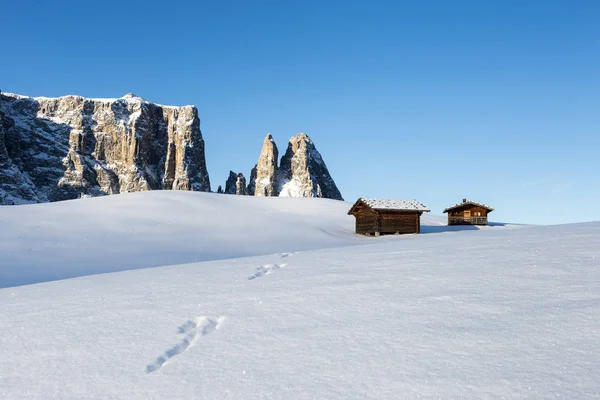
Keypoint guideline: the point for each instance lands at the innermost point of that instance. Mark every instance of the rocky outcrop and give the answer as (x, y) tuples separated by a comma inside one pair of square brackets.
[(69, 147), (15, 186), (266, 169), (303, 173), (240, 185), (236, 184), (252, 183)]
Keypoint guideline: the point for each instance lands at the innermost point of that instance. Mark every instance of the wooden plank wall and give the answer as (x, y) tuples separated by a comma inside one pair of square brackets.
[(369, 221), (399, 222), (366, 221)]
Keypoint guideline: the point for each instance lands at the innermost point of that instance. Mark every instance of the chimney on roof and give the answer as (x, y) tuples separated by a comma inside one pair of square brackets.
[(464, 200)]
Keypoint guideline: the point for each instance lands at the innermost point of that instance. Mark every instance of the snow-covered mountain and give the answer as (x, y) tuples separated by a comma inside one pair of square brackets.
[(455, 312), (64, 148)]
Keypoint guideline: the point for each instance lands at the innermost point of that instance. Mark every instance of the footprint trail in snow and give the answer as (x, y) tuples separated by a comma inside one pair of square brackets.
[(191, 331), (268, 268), (265, 270)]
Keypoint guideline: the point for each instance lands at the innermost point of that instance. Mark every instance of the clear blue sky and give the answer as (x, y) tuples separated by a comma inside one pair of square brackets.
[(497, 101)]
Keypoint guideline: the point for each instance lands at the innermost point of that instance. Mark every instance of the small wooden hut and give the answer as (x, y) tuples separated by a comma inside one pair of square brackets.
[(468, 213), (380, 217)]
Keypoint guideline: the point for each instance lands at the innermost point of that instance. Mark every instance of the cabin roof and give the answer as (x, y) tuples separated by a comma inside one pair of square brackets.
[(391, 205), (466, 202)]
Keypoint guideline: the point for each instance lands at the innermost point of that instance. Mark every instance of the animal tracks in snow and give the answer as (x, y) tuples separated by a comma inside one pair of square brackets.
[(265, 270), (191, 331)]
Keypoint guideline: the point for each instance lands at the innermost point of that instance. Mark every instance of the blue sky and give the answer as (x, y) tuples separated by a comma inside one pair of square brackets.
[(496, 101)]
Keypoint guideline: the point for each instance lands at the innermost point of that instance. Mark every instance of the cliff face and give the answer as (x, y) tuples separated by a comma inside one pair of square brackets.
[(68, 147), (303, 173)]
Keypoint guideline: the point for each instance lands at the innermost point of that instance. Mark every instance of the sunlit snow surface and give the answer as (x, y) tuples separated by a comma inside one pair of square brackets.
[(53, 241), (491, 313)]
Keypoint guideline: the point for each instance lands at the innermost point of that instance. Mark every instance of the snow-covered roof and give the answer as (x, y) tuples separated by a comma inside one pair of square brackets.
[(393, 205), (466, 202)]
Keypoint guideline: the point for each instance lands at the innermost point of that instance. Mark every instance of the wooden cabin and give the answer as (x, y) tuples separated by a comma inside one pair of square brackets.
[(387, 217), (468, 213)]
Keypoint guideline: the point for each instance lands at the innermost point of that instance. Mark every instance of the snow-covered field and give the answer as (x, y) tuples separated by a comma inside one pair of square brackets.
[(292, 305), (45, 242)]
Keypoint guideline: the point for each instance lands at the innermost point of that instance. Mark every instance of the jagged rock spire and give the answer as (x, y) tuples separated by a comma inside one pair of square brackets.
[(236, 184), (240, 185), (252, 183), (266, 169), (303, 172)]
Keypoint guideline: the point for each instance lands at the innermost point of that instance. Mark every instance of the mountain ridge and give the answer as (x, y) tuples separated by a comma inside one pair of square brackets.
[(63, 148), (69, 147)]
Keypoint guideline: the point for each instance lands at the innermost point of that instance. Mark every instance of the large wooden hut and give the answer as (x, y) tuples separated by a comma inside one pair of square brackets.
[(468, 213), (380, 217)]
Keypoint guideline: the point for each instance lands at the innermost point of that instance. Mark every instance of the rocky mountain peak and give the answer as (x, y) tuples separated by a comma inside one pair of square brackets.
[(266, 169), (300, 139), (236, 184), (133, 96), (303, 173)]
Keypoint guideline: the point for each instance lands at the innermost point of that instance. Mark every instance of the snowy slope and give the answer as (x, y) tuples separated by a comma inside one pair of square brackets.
[(60, 240), (497, 313), (452, 313)]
